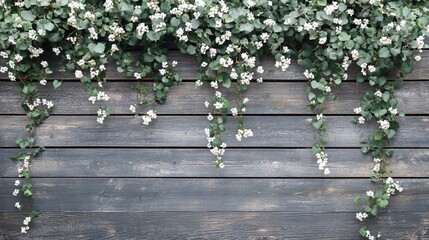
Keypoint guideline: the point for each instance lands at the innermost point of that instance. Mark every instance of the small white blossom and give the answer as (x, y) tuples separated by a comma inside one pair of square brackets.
[(78, 74), (361, 216), (378, 93), (384, 124), (357, 110), (15, 192)]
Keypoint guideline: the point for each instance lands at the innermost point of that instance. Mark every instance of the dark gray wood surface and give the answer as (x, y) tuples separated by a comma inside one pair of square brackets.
[(150, 162), (266, 98), (188, 131), (123, 180), (187, 68), (214, 225)]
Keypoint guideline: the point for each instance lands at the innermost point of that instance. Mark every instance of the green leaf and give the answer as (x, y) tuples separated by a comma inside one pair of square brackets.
[(247, 27), (191, 50), (98, 48), (28, 15), (357, 200), (375, 210), (318, 124), (379, 112), (226, 83), (384, 53), (362, 231), (56, 84), (322, 2), (344, 37), (48, 71), (28, 193), (389, 152), (378, 136), (386, 96), (390, 133), (382, 202)]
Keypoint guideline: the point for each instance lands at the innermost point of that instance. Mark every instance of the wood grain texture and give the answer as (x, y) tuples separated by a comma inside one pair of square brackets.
[(199, 163), (188, 68), (213, 225), (205, 195), (188, 131), (267, 98)]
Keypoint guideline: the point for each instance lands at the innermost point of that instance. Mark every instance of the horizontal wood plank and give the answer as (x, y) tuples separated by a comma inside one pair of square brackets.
[(188, 131), (200, 163), (170, 194), (188, 67), (267, 98), (213, 225)]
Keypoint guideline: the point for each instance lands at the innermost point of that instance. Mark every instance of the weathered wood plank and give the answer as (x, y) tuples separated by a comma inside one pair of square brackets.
[(199, 163), (188, 131), (172, 194), (267, 98), (213, 225), (188, 68)]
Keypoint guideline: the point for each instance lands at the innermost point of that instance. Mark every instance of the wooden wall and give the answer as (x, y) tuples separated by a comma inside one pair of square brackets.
[(123, 180)]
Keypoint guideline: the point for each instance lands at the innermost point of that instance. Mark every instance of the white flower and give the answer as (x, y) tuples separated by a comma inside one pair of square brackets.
[(132, 108), (393, 111), (198, 83), (78, 74), (357, 110), (137, 75), (418, 58), (234, 111), (18, 205), (214, 84), (328, 89), (146, 120), (15, 192), (370, 193), (361, 216), (27, 221), (206, 104), (308, 74), (361, 120), (384, 124), (17, 182), (319, 116), (355, 54), (385, 41), (326, 171), (221, 165), (44, 64), (376, 168), (24, 229), (210, 117), (218, 105), (378, 93), (151, 114), (322, 40)]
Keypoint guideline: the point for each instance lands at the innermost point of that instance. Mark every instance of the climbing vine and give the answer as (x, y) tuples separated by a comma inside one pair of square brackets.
[(374, 37)]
